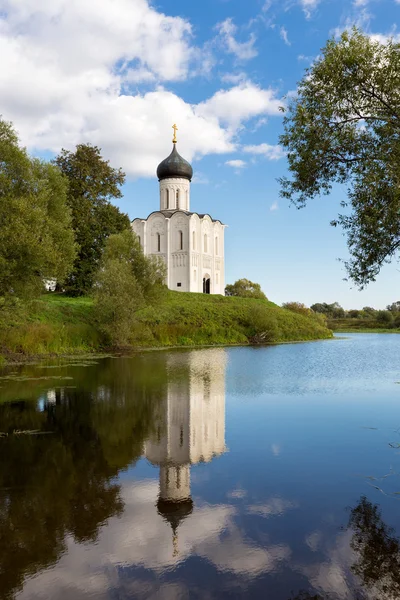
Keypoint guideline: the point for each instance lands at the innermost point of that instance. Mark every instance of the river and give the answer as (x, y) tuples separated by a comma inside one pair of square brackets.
[(240, 472)]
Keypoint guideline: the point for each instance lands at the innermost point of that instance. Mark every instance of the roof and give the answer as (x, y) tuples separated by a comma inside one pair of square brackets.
[(168, 214), (174, 166)]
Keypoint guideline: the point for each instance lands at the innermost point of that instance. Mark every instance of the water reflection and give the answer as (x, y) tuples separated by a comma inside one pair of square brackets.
[(189, 428), (377, 550), (59, 459), (116, 482)]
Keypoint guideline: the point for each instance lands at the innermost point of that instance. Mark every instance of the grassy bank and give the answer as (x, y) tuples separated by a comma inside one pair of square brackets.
[(56, 324), (360, 326)]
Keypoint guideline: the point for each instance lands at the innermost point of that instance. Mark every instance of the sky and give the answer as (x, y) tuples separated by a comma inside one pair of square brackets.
[(120, 73)]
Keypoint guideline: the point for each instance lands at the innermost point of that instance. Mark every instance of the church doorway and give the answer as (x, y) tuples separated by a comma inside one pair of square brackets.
[(206, 285)]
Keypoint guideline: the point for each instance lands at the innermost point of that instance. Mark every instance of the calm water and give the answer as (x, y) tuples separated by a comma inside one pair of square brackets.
[(220, 473)]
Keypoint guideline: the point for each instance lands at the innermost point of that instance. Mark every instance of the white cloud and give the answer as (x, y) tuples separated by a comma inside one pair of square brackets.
[(284, 36), (267, 5), (141, 537), (276, 448), (308, 6), (240, 103), (242, 50), (67, 74), (274, 507), (234, 78), (274, 206), (200, 179), (271, 152), (384, 38), (236, 164)]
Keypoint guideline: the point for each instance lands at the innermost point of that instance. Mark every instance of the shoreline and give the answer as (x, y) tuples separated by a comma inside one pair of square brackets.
[(20, 359)]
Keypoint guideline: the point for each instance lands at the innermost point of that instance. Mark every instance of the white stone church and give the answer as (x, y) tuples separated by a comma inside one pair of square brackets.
[(191, 244)]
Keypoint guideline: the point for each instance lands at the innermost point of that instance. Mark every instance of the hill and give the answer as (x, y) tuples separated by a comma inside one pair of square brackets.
[(57, 324)]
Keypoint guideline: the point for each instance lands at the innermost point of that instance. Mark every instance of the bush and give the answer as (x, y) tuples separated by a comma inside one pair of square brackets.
[(126, 282), (384, 316), (245, 289), (264, 325)]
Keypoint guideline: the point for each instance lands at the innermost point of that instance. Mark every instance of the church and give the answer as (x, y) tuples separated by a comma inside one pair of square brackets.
[(190, 244), (189, 429)]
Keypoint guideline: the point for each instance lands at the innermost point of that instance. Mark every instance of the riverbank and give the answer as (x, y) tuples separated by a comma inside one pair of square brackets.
[(360, 326), (56, 324)]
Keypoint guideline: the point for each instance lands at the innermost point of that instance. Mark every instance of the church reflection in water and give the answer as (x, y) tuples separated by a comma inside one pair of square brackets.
[(189, 429)]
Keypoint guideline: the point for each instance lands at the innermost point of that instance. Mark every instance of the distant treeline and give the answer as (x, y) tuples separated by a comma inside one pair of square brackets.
[(389, 317), (336, 317)]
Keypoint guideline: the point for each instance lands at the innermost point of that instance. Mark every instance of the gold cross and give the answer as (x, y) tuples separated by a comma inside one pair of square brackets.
[(174, 127)]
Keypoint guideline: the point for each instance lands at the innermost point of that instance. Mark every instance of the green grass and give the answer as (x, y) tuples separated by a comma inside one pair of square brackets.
[(360, 326), (57, 324)]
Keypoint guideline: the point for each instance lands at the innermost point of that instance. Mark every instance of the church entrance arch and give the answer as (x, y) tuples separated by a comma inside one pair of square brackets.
[(206, 284)]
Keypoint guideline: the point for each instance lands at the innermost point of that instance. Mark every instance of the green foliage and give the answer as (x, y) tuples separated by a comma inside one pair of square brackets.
[(333, 311), (126, 281), (343, 127), (61, 482), (63, 325), (302, 309), (394, 307), (384, 316), (245, 289), (93, 183), (36, 241)]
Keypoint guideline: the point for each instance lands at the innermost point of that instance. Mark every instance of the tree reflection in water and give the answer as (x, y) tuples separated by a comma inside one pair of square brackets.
[(60, 481), (377, 550), (377, 555)]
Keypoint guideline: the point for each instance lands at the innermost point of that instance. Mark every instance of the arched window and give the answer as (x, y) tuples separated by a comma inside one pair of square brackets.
[(158, 242), (167, 198), (180, 240), (194, 240), (139, 240), (177, 199), (216, 246), (205, 243)]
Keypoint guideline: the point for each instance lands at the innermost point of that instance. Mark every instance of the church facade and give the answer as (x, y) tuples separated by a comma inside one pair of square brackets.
[(190, 244)]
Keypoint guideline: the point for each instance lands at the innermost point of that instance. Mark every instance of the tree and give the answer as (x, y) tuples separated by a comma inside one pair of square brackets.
[(36, 241), (343, 127), (126, 281), (93, 183), (333, 311), (394, 307), (384, 316), (245, 289), (297, 307)]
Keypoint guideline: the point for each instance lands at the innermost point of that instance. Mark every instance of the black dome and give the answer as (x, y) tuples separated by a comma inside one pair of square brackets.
[(175, 511), (174, 166)]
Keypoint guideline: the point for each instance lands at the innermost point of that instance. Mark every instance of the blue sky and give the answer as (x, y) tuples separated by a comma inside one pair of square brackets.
[(118, 74)]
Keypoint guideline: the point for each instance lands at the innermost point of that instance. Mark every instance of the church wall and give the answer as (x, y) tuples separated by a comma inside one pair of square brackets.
[(196, 281), (139, 227), (179, 272)]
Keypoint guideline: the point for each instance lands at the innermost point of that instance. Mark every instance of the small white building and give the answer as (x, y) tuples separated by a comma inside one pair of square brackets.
[(191, 244)]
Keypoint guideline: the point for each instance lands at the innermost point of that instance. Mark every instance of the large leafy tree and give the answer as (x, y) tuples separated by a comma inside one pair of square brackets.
[(245, 289), (343, 127), (93, 183), (36, 241)]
